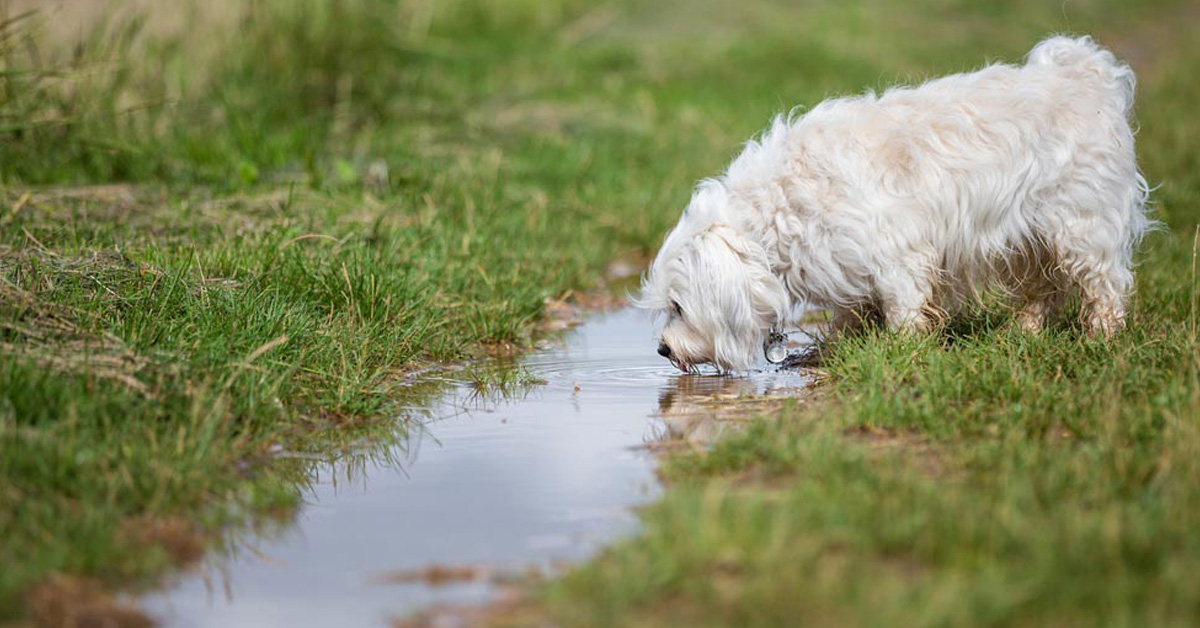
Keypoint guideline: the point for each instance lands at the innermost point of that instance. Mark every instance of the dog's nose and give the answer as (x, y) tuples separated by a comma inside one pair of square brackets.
[(664, 350)]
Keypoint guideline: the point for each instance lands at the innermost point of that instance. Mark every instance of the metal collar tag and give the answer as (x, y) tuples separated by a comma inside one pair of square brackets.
[(774, 347)]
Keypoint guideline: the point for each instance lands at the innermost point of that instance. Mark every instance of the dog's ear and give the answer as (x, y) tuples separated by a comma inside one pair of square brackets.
[(709, 205), (765, 292), (747, 298)]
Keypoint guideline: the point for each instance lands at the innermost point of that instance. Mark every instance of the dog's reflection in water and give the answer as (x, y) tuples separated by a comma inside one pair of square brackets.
[(698, 409)]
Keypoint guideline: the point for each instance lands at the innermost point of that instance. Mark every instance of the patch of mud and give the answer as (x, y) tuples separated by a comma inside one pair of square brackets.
[(511, 607), (700, 410), (180, 538), (67, 602)]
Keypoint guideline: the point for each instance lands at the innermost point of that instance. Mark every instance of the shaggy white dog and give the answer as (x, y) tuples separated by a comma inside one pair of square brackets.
[(906, 205)]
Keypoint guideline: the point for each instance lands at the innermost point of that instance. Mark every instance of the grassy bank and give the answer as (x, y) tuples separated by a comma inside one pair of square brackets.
[(241, 233), (208, 252), (979, 477)]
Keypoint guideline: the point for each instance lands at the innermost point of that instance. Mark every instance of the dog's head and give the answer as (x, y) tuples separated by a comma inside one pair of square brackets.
[(715, 287)]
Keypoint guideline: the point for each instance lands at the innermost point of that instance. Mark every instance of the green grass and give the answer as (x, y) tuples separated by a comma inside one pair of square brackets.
[(977, 477), (245, 235)]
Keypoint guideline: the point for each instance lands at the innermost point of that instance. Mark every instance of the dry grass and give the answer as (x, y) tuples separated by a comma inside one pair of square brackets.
[(62, 338)]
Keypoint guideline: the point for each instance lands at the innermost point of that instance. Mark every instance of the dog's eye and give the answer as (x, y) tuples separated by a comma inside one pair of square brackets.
[(675, 308)]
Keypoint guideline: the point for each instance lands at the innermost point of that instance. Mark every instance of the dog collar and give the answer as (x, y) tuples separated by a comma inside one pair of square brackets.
[(774, 347)]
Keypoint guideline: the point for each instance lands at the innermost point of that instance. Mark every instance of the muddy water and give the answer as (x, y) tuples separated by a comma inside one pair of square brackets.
[(539, 479)]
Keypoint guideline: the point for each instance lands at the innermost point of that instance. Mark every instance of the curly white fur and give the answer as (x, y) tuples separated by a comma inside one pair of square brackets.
[(907, 204)]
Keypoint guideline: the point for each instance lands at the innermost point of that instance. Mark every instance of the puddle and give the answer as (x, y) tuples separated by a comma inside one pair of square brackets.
[(538, 480)]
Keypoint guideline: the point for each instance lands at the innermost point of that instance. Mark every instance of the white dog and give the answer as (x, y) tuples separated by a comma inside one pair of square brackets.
[(906, 205)]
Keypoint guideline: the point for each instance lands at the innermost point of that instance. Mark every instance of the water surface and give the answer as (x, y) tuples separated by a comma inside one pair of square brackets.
[(540, 479)]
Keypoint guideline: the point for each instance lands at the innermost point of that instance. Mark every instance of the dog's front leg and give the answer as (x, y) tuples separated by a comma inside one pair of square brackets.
[(906, 301)]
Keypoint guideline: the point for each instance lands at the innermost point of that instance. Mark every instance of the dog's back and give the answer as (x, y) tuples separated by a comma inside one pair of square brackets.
[(1022, 176)]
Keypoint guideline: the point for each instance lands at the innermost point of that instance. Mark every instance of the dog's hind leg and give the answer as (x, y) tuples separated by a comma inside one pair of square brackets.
[(1099, 267), (1037, 310), (1095, 217), (1092, 234), (1103, 289)]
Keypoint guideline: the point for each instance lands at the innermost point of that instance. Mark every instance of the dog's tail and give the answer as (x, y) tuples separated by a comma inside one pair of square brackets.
[(1090, 59)]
